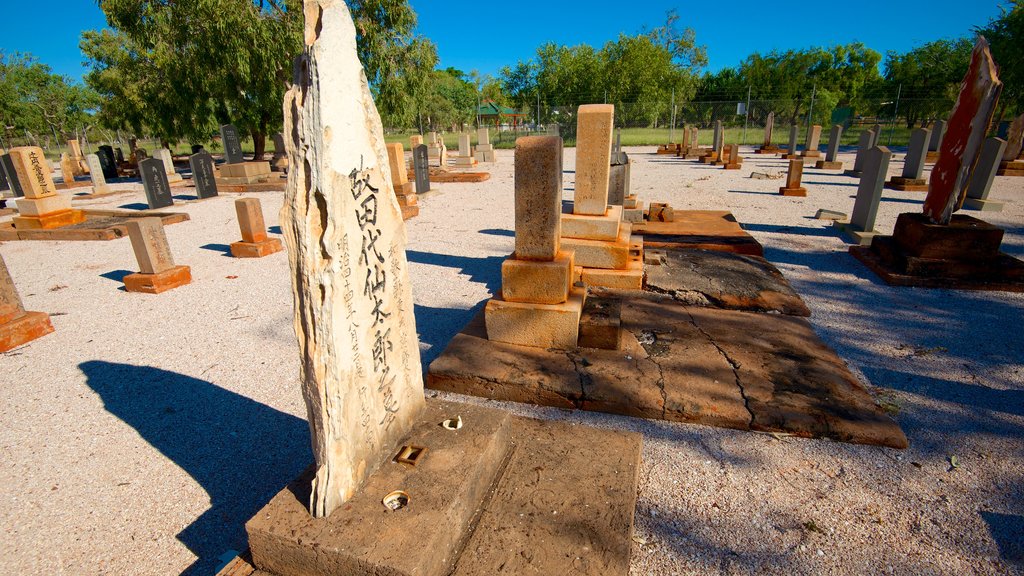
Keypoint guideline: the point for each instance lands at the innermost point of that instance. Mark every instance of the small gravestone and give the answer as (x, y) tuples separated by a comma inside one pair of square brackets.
[(830, 162), (4, 185), (164, 155), (232, 144), (107, 161), (769, 126), (99, 181), (863, 146), (12, 176), (202, 174), (861, 227), (793, 178), (421, 168), (279, 163), (118, 155), (983, 176), (155, 183), (812, 142), (938, 131), (913, 165), (794, 135)]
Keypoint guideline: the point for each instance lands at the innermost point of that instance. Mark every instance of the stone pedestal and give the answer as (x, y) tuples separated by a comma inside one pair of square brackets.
[(793, 178), (17, 327), (244, 173), (158, 282), (907, 184), (962, 254), (1014, 168), (42, 207), (826, 165), (255, 243), (157, 271)]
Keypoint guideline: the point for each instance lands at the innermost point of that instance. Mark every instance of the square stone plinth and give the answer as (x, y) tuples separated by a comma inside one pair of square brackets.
[(536, 281), (592, 227), (826, 165), (601, 253), (536, 325), (160, 282), (964, 238), (801, 191), (23, 328), (256, 249), (982, 205), (245, 169), (43, 205), (632, 278), (907, 184), (493, 497), (49, 221)]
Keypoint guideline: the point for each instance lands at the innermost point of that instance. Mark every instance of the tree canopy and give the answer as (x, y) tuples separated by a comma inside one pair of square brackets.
[(36, 102)]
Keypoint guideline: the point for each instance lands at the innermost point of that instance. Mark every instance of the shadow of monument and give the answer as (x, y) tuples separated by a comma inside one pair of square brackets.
[(240, 451), (437, 326), (499, 232), (486, 271), (1007, 531)]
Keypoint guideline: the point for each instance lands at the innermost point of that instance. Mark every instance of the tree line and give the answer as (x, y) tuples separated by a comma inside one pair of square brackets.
[(177, 70)]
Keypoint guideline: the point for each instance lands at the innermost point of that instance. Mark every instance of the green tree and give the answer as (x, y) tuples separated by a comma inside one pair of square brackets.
[(929, 78), (35, 101), (1006, 36)]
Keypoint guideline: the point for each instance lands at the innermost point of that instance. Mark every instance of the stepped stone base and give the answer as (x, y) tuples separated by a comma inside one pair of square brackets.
[(160, 282)]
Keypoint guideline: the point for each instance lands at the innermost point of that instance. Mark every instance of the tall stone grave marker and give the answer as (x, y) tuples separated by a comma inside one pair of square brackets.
[(164, 156), (830, 162), (938, 133), (769, 126), (793, 178), (863, 146), (108, 161), (17, 326), (154, 182), (484, 149), (983, 176), (539, 306), (861, 227), (404, 189), (913, 165), (99, 182), (203, 176), (1013, 157), (12, 176), (118, 155), (812, 143), (360, 364), (232, 144), (77, 159), (157, 271), (465, 158), (791, 147), (42, 207), (421, 168)]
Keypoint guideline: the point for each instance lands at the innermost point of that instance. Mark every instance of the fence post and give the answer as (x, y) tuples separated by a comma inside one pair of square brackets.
[(810, 110), (895, 113), (672, 127), (746, 118)]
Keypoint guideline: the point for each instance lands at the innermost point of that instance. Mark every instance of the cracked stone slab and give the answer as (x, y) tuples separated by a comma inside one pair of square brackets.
[(732, 369), (723, 280), (701, 229)]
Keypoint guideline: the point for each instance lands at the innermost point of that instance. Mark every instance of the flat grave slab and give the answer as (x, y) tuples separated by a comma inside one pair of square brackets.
[(440, 175), (503, 494), (98, 225), (701, 229), (722, 280), (732, 369)]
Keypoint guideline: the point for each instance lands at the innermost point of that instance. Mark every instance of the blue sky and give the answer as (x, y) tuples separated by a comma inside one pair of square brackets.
[(485, 36)]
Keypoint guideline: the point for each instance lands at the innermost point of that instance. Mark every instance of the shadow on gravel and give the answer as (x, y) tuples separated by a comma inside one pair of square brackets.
[(798, 230), (116, 275), (1007, 530), (753, 192), (486, 271), (134, 206), (240, 451), (499, 232), (222, 248), (437, 326)]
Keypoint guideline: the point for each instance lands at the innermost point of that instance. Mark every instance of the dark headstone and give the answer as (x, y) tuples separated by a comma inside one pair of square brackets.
[(107, 161), (3, 180), (154, 181), (232, 144), (421, 168), (12, 176), (197, 148), (1004, 130), (202, 174), (118, 155)]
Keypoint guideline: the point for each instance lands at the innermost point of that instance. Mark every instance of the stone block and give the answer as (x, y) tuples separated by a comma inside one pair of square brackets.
[(538, 197), (245, 170), (159, 282), (396, 162), (601, 323), (149, 242), (593, 158), (405, 200), (250, 220), (964, 238), (830, 215), (536, 325), (633, 215), (601, 253), (49, 221), (632, 278), (630, 201), (44, 205), (793, 191), (256, 249), (465, 161), (982, 205), (826, 165), (405, 188), (536, 281), (22, 328), (604, 227), (660, 212)]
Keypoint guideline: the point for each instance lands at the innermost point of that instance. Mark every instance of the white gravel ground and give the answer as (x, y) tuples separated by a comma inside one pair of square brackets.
[(142, 434)]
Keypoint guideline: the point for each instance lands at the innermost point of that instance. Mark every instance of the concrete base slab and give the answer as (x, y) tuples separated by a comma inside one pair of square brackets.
[(982, 205), (502, 494), (793, 191), (724, 368), (722, 280), (98, 225), (701, 229)]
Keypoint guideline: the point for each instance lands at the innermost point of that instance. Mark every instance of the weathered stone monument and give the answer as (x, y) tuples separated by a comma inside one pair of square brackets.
[(812, 143), (593, 230), (42, 207), (793, 178), (155, 184), (232, 144), (415, 140), (204, 178), (767, 147), (465, 158), (78, 160), (830, 162), (436, 149), (861, 227), (68, 170), (618, 179), (108, 161), (17, 327), (791, 148), (864, 144), (539, 306), (99, 182), (165, 157), (118, 156), (255, 243), (733, 160), (934, 145), (1013, 157), (983, 176), (279, 163), (938, 248), (421, 168), (911, 180), (484, 149), (711, 156), (404, 189), (157, 271)]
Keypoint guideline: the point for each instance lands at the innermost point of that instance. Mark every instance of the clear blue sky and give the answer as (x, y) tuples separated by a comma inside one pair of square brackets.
[(485, 36)]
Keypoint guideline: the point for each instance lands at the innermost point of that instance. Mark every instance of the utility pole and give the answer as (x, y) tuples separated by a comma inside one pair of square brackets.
[(537, 126), (895, 112), (746, 119), (672, 128), (810, 111)]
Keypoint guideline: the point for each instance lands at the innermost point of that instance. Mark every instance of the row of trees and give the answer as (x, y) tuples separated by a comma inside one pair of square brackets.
[(36, 104)]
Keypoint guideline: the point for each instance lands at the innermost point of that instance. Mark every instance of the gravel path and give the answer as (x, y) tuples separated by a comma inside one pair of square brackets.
[(139, 437)]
